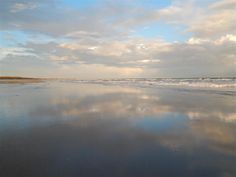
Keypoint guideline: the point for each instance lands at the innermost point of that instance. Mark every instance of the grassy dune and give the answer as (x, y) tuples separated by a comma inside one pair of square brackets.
[(16, 79)]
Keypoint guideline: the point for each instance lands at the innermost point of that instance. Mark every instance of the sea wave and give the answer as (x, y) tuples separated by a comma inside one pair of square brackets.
[(169, 82)]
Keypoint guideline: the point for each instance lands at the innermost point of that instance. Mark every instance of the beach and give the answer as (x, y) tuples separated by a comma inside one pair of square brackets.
[(103, 129)]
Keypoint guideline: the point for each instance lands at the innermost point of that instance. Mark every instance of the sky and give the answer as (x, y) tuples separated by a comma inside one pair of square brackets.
[(90, 39)]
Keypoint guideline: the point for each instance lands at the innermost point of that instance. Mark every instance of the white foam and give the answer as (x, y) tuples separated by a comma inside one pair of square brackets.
[(216, 83)]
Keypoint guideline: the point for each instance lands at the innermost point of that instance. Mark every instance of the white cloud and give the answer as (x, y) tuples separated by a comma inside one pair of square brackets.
[(101, 71), (15, 51), (219, 41)]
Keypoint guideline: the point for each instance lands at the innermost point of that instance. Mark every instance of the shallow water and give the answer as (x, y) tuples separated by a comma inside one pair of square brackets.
[(71, 129)]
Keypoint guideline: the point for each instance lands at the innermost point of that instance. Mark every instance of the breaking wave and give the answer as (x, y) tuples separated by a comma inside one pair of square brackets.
[(156, 82)]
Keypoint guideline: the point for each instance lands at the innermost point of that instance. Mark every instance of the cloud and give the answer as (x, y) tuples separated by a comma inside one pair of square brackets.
[(18, 7), (112, 18), (226, 4), (215, 25), (147, 57), (107, 34), (15, 51)]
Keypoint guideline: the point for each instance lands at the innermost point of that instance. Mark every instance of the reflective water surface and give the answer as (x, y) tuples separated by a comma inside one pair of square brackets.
[(65, 129)]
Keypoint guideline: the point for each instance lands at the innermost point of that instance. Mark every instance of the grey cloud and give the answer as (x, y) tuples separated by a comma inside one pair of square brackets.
[(226, 4), (117, 18), (50, 18), (17, 7), (199, 60), (23, 65)]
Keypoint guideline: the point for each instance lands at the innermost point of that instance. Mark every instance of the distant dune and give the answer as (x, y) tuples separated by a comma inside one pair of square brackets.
[(16, 79)]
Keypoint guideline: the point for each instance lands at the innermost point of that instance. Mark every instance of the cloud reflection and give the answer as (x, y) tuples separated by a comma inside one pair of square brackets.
[(209, 119), (133, 131)]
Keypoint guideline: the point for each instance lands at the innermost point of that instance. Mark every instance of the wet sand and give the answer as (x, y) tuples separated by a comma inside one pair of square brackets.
[(67, 129)]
